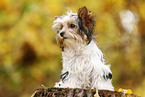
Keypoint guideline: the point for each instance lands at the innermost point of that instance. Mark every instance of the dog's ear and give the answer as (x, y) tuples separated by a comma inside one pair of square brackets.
[(86, 22)]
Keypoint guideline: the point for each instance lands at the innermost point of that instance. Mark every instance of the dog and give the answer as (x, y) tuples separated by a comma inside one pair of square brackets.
[(83, 62)]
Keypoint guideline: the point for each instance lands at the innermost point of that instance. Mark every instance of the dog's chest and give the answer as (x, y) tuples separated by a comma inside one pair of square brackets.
[(76, 61), (83, 60)]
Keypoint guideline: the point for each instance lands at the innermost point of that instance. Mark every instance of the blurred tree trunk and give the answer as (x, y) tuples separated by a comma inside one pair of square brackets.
[(142, 34)]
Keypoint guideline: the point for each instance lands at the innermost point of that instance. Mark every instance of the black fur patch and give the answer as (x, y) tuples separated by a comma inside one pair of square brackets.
[(108, 76), (82, 30), (64, 75)]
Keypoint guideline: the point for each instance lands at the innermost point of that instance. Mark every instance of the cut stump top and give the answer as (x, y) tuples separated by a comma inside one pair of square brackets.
[(78, 92)]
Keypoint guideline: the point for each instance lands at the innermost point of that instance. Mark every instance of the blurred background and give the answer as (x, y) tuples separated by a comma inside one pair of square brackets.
[(30, 56)]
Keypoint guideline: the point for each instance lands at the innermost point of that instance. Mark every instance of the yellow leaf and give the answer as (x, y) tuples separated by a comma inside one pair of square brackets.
[(125, 90)]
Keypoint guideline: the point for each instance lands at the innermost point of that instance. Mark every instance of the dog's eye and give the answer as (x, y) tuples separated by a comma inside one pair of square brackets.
[(72, 26)]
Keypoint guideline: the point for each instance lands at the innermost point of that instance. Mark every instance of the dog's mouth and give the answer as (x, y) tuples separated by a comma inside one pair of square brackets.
[(65, 38), (60, 41)]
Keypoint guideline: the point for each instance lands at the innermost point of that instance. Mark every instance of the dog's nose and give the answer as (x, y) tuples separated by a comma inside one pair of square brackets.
[(62, 34)]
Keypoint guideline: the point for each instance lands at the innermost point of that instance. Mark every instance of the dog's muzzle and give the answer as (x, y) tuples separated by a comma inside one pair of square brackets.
[(62, 35)]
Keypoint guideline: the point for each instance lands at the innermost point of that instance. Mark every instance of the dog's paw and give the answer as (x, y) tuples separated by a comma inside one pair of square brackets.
[(107, 76), (64, 75)]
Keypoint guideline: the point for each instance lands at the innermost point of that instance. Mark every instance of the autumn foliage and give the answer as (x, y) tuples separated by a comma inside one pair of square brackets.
[(30, 56)]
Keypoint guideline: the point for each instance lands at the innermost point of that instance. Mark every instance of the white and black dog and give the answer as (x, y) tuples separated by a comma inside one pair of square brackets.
[(83, 63)]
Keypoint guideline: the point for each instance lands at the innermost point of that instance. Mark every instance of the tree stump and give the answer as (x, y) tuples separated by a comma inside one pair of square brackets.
[(78, 92)]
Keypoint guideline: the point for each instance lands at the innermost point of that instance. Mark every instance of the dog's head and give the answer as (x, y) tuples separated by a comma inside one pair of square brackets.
[(74, 28)]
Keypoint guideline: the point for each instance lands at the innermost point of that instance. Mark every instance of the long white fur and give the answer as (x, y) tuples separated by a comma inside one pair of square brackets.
[(85, 63)]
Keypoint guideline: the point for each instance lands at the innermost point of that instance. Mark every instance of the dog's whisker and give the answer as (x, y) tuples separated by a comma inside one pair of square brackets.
[(96, 36), (71, 35)]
